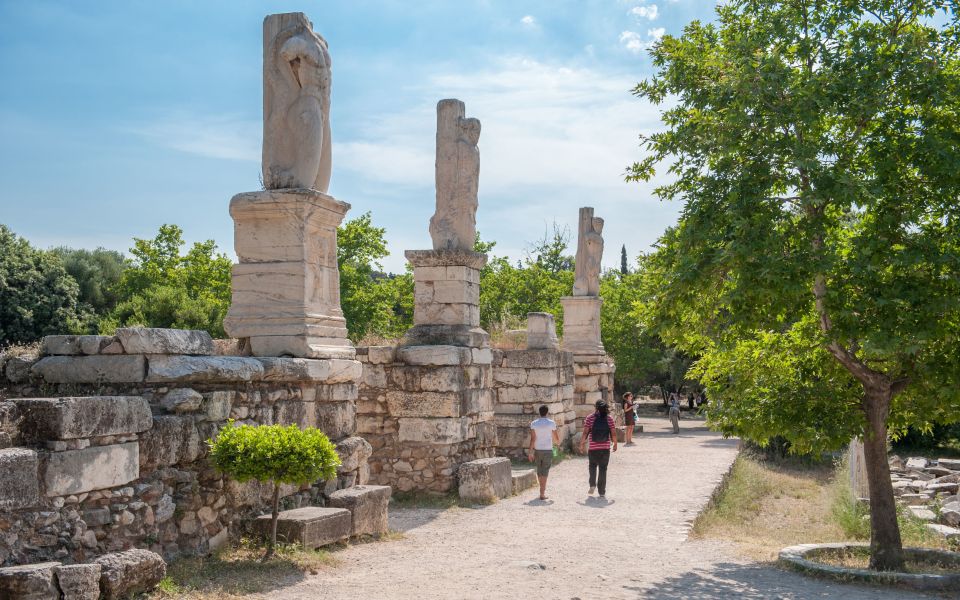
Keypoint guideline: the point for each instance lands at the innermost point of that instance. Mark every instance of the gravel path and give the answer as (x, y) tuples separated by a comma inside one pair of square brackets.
[(633, 545)]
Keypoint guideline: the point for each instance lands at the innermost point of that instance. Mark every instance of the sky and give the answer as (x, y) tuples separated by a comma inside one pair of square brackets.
[(118, 117)]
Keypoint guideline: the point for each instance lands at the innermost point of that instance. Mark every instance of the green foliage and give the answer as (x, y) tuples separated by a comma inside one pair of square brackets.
[(37, 295), (162, 288), (97, 273), (274, 453)]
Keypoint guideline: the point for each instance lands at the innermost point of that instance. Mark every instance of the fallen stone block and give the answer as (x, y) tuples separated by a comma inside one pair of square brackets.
[(923, 513), (950, 488), (84, 417), (367, 505), (949, 463), (29, 582), (951, 533), (94, 468), (19, 483), (950, 514), (125, 574), (311, 526), (485, 480), (353, 451), (154, 340), (917, 463), (91, 369), (523, 479), (79, 582)]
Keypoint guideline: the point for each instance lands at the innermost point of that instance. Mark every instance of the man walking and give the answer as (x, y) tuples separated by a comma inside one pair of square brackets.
[(675, 412), (543, 435), (601, 431)]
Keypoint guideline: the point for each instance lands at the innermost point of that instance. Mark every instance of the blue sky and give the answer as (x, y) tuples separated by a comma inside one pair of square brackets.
[(117, 117)]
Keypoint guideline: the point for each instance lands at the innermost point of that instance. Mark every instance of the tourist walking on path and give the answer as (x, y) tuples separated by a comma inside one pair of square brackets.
[(601, 431), (629, 418), (543, 436), (675, 412)]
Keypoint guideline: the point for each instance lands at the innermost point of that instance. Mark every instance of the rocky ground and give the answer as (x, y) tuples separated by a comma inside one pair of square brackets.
[(929, 489), (633, 544)]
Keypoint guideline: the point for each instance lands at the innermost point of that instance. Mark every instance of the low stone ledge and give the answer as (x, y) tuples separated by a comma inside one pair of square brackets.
[(312, 526), (523, 479), (70, 345), (94, 468), (71, 418), (126, 574), (485, 480), (91, 369), (190, 369), (34, 581), (155, 340), (79, 582), (799, 558), (367, 505)]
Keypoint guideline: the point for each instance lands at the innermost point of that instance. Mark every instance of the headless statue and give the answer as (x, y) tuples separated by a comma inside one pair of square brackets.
[(454, 224)]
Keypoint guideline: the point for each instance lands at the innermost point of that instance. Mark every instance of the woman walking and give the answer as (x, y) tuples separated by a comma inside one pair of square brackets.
[(629, 418), (675, 412), (601, 431)]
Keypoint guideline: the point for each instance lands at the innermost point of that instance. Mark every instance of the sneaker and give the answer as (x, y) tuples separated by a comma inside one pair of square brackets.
[(604, 496), (591, 491)]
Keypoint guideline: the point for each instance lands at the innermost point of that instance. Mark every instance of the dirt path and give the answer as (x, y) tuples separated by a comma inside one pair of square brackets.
[(633, 545)]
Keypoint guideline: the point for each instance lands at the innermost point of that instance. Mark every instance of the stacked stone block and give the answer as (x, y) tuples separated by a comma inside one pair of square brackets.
[(524, 380), (425, 410), (593, 380), (104, 446)]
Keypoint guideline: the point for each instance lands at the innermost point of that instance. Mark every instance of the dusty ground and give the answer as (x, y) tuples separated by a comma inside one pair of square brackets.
[(633, 545)]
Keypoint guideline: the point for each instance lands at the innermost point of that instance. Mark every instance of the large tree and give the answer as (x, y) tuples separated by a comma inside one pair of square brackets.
[(815, 145)]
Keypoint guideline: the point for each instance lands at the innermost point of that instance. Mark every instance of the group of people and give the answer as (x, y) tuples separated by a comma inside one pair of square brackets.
[(599, 439)]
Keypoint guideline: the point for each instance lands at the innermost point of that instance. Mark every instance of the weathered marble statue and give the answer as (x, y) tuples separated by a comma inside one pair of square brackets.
[(296, 104), (589, 253), (454, 224)]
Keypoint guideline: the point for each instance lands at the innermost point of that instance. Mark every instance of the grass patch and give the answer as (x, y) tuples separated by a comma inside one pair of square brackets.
[(859, 558), (425, 500), (766, 505)]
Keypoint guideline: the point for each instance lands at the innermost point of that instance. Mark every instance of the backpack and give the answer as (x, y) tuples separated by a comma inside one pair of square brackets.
[(600, 431)]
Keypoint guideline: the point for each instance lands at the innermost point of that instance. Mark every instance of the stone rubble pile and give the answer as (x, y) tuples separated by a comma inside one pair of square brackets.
[(929, 490)]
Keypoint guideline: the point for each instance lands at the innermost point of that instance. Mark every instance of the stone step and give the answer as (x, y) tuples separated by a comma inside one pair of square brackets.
[(485, 480), (523, 479), (310, 526), (367, 505)]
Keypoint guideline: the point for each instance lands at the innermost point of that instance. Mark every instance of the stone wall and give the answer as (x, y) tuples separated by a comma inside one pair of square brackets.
[(524, 380), (425, 410), (593, 380), (103, 441)]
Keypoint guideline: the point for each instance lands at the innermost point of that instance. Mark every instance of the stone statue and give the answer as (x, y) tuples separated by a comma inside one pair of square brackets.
[(454, 224), (589, 252), (296, 104)]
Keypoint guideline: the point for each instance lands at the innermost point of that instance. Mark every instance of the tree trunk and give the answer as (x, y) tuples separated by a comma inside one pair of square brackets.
[(272, 543), (886, 547)]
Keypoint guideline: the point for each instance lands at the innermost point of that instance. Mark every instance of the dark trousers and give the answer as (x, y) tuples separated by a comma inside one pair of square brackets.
[(599, 459)]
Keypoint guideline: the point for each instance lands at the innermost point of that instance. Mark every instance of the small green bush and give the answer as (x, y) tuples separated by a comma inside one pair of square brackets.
[(277, 454)]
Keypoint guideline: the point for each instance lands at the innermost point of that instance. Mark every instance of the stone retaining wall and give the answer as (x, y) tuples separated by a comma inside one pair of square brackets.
[(103, 441), (524, 380)]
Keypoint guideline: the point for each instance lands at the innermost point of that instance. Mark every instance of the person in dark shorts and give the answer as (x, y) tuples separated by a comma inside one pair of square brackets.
[(543, 436), (629, 418), (601, 432)]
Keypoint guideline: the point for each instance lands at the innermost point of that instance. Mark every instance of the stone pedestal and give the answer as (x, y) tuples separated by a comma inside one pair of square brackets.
[(541, 331), (581, 324), (286, 288), (446, 298)]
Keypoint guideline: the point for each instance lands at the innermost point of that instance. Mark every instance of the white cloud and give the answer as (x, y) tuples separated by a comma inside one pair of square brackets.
[(645, 12), (230, 137), (655, 34), (634, 42), (528, 21)]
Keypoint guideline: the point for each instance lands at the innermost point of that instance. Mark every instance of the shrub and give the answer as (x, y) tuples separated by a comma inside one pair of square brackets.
[(274, 453)]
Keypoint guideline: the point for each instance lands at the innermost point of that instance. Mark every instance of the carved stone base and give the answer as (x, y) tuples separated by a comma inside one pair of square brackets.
[(581, 324), (286, 289), (446, 298)]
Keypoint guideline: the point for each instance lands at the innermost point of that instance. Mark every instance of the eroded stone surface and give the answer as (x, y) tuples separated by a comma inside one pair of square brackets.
[(542, 331), (79, 582), (589, 254), (125, 574), (94, 468), (485, 479), (367, 505), (91, 369), (171, 440), (29, 582), (155, 340), (311, 526), (19, 486), (83, 417), (453, 225)]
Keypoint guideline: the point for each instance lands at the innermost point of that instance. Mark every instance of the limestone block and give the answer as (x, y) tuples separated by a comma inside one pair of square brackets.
[(217, 405), (477, 401), (434, 355), (125, 574), (458, 259), (75, 344), (328, 341), (154, 340), (91, 369), (485, 479), (917, 463), (79, 582), (951, 533), (542, 331), (423, 404), (353, 451), (18, 369), (543, 377), (532, 359), (586, 383), (441, 379), (337, 419), (432, 313), (374, 376), (172, 440), (204, 369), (85, 417), (602, 368), (311, 526), (510, 376), (19, 485), (581, 324), (338, 392), (432, 431), (528, 395), (182, 400), (382, 355), (334, 370), (295, 412), (949, 463), (426, 334), (367, 505), (481, 356), (29, 582), (93, 468), (523, 479)]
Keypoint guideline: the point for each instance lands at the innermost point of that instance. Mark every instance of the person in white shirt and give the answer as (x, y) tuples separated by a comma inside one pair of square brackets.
[(543, 435)]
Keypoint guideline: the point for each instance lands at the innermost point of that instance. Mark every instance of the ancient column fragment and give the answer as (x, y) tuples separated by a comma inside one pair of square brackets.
[(454, 224), (589, 253)]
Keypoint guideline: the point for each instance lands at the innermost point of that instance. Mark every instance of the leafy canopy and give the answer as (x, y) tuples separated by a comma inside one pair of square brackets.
[(274, 453)]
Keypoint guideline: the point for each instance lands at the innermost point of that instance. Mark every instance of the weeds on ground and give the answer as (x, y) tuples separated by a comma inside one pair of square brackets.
[(425, 500)]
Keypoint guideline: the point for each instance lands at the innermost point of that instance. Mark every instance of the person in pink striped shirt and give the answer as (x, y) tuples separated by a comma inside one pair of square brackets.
[(601, 431)]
